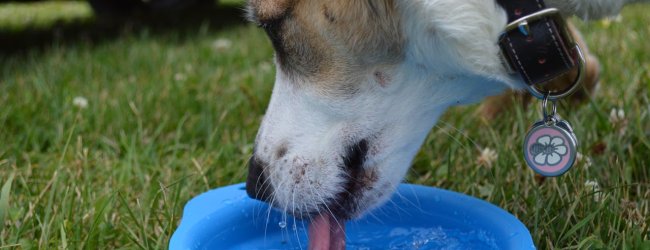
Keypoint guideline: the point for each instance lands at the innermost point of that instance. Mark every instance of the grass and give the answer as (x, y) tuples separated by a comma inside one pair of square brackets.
[(172, 114), (17, 16)]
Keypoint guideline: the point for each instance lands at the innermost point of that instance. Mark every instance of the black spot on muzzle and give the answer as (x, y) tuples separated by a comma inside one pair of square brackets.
[(354, 158)]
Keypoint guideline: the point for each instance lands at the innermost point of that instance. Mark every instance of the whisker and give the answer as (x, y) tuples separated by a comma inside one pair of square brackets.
[(372, 214), (293, 211), (268, 215), (264, 168), (268, 218), (409, 202), (284, 226), (305, 229), (457, 130)]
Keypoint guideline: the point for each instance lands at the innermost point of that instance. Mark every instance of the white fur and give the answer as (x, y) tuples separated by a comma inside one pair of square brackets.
[(451, 58)]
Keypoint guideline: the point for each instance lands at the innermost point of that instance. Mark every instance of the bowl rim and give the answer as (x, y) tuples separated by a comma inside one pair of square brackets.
[(444, 201)]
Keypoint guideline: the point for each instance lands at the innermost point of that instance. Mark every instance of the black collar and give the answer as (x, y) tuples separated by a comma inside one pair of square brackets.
[(537, 45)]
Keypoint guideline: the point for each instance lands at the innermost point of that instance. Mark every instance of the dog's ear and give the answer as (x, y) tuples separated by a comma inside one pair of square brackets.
[(263, 11)]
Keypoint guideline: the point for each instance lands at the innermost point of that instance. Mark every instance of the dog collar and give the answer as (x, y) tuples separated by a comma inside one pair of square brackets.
[(537, 45)]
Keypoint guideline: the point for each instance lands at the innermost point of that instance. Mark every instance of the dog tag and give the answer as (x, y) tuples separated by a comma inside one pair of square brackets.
[(550, 147)]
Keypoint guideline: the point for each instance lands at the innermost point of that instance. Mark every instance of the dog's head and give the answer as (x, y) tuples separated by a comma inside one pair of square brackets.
[(359, 84)]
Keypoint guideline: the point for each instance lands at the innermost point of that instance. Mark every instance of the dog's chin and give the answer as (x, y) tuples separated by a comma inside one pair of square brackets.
[(358, 195), (343, 210)]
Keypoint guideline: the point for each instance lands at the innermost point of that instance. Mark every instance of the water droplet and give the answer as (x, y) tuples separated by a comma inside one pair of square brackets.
[(282, 224)]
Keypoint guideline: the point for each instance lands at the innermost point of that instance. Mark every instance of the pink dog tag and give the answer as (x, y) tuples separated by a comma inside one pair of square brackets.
[(550, 147)]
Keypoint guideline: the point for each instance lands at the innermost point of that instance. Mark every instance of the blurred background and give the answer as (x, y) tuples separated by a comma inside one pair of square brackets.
[(114, 113)]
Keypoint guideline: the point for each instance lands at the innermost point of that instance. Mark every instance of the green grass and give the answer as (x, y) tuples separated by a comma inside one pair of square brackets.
[(170, 116), (16, 16)]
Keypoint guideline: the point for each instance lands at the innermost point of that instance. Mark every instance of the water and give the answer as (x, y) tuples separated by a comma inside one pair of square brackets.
[(381, 237), (423, 239)]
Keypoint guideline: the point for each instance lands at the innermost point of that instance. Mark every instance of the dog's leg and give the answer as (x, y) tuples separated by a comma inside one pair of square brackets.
[(495, 105)]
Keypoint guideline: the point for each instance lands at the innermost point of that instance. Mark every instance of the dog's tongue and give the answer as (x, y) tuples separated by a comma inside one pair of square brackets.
[(326, 234)]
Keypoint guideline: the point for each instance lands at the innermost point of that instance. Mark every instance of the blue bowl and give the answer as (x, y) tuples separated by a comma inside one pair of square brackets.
[(416, 217)]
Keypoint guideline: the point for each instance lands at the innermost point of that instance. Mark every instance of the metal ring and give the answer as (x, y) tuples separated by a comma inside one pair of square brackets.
[(530, 18), (545, 108), (564, 93)]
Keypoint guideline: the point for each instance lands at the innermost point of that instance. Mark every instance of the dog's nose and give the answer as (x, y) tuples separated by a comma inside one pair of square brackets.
[(257, 185)]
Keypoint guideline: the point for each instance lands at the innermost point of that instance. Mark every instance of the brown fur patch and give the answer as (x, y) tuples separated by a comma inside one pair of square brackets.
[(332, 43)]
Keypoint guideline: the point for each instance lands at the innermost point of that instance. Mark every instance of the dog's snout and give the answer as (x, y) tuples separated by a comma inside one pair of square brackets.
[(257, 184)]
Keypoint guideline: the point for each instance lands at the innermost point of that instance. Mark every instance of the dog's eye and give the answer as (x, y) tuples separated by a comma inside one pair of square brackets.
[(270, 24), (273, 28)]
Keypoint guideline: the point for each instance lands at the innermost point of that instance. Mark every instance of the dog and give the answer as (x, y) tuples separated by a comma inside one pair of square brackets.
[(359, 84)]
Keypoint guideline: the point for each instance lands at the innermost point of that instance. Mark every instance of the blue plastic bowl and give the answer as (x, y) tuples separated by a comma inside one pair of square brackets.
[(417, 217)]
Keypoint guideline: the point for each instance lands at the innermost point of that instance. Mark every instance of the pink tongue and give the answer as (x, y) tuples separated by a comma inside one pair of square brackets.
[(326, 234)]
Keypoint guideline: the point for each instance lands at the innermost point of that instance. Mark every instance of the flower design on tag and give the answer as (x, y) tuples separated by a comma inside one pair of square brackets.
[(548, 150)]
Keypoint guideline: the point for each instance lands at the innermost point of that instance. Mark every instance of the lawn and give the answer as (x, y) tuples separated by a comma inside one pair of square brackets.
[(106, 132)]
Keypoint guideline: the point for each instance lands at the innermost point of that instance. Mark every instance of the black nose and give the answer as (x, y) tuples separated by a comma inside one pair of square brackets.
[(257, 185)]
